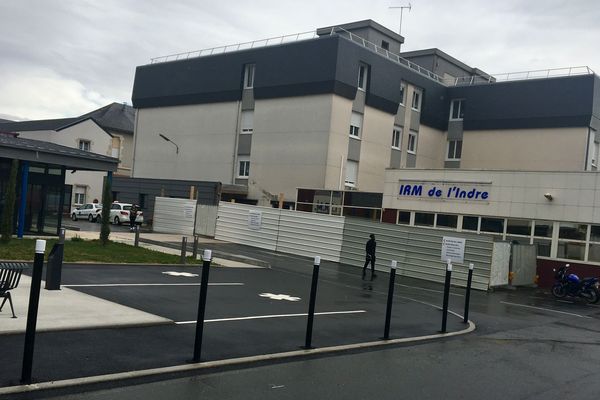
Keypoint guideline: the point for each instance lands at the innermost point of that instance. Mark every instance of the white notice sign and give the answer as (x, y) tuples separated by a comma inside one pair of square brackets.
[(188, 210), (453, 249), (254, 220)]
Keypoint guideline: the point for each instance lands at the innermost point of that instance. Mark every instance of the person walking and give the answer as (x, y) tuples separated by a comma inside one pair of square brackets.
[(370, 256), (132, 216)]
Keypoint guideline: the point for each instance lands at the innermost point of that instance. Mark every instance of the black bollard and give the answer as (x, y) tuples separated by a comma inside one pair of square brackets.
[(183, 249), (388, 311), (468, 294), (34, 300), (136, 241), (311, 304), (206, 257), (55, 262), (195, 247), (446, 296)]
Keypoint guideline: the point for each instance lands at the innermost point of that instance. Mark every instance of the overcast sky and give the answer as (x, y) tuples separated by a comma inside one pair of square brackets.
[(63, 58)]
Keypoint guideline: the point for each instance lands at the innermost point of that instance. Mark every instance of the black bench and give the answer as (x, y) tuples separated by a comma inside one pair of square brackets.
[(10, 275)]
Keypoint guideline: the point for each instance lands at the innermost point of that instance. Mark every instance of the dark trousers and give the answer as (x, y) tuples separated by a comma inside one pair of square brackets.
[(131, 223), (369, 259)]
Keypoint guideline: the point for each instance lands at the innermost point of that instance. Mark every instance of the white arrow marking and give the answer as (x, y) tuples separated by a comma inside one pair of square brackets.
[(279, 296), (186, 274)]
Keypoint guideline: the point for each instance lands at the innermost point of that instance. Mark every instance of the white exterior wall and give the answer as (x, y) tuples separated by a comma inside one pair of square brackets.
[(337, 152), (205, 134), (375, 149)]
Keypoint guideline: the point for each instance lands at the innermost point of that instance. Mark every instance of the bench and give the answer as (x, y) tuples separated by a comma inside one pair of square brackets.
[(10, 275)]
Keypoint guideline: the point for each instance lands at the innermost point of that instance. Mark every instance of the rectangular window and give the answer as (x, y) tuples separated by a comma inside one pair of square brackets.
[(470, 223), (416, 100), (249, 76), (571, 250), (457, 110), (424, 219), (244, 167), (85, 145), (402, 94), (397, 137), (518, 227), (412, 142), (572, 231), (142, 200), (247, 122), (404, 217), (492, 225), (385, 45), (355, 124), (543, 247), (351, 173), (543, 229), (454, 150), (362, 76), (79, 195), (447, 221)]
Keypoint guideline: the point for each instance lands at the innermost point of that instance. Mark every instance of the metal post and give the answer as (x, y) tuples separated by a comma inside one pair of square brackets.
[(206, 257), (468, 294), (446, 296), (388, 311), (195, 248), (311, 304), (136, 241), (55, 262), (34, 300), (183, 249), (23, 203)]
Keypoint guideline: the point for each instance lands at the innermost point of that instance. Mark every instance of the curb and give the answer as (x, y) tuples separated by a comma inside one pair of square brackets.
[(221, 363)]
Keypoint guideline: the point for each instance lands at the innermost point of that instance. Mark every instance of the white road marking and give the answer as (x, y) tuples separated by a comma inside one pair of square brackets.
[(272, 316), (546, 309), (174, 273), (279, 296), (277, 386), (156, 284)]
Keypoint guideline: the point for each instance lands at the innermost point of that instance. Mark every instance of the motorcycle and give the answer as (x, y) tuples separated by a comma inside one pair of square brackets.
[(571, 285)]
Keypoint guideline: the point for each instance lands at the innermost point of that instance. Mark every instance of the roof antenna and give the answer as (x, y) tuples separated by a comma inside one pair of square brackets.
[(409, 6)]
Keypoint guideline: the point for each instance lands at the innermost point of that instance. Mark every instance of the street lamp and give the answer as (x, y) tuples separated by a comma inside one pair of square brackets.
[(169, 140)]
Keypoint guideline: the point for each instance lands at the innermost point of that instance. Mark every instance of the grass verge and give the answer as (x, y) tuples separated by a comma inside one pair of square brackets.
[(90, 251)]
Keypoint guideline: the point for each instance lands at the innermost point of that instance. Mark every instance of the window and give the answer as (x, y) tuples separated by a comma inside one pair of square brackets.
[(362, 76), (85, 145), (454, 149), (385, 45), (355, 124), (571, 243), (412, 142), (351, 173), (396, 137), (446, 221), (404, 217), (457, 110), (79, 194), (492, 225), (249, 76), (142, 200), (424, 219), (244, 167), (470, 223), (247, 122), (416, 100), (518, 227), (402, 94)]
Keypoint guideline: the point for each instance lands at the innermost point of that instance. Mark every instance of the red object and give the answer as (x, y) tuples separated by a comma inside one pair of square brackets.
[(124, 213)]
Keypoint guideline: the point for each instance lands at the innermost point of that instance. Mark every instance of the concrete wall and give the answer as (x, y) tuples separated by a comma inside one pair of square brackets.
[(562, 149), (431, 147), (289, 145), (339, 138), (375, 151), (205, 135)]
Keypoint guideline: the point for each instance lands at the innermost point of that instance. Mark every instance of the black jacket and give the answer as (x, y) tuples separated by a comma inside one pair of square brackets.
[(370, 248)]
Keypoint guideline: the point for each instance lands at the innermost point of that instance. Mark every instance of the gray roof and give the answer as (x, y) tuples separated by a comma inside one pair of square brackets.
[(114, 117), (5, 120), (51, 153), (367, 23)]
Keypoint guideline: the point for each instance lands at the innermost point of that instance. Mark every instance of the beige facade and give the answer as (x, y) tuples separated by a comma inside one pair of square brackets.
[(431, 148), (337, 148), (205, 134), (375, 149), (558, 149)]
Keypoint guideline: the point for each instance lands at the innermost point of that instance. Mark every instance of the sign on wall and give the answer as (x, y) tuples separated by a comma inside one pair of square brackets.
[(439, 190), (453, 249), (254, 219)]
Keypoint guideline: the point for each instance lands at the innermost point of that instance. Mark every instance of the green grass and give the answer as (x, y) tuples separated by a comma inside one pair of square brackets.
[(89, 251)]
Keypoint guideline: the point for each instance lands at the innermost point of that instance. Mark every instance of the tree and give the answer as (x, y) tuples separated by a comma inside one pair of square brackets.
[(7, 223), (106, 202)]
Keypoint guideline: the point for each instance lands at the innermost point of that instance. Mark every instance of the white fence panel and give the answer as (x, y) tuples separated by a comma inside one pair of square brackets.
[(309, 234), (417, 250), (248, 225), (174, 215), (206, 220)]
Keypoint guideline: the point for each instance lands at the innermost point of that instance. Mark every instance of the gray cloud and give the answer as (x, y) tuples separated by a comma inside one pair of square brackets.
[(63, 58)]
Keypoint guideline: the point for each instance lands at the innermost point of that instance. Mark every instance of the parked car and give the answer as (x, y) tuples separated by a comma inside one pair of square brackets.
[(119, 213), (89, 211)]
